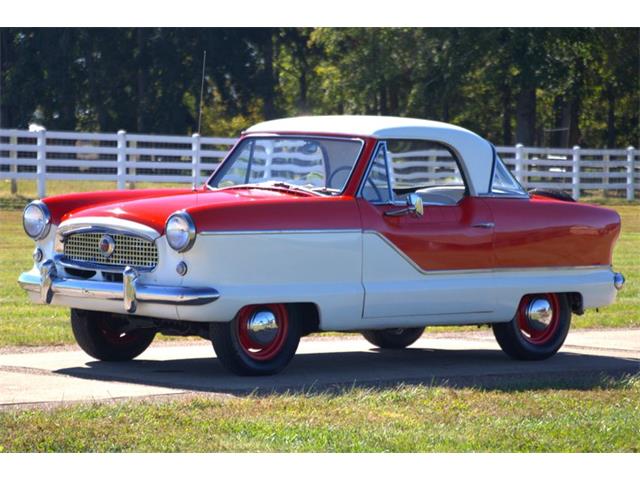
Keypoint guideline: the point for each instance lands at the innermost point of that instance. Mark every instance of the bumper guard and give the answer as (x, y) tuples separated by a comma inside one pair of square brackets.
[(130, 291)]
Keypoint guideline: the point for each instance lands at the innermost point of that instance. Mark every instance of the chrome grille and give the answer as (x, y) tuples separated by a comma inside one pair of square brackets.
[(129, 250)]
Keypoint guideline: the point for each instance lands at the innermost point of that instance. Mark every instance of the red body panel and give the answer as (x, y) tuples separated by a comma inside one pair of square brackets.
[(62, 207), (535, 232), (234, 209), (246, 210), (443, 239), (548, 233)]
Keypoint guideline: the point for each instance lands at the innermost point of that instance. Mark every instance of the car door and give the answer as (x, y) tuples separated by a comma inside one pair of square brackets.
[(431, 268)]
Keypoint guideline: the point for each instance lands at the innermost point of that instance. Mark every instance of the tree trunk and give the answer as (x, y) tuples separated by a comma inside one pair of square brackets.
[(526, 116), (611, 117), (302, 88), (268, 109), (67, 120), (382, 105), (574, 122), (141, 82), (507, 134)]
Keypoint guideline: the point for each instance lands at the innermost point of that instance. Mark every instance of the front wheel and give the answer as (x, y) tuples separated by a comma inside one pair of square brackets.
[(106, 338), (260, 340), (539, 328), (393, 338)]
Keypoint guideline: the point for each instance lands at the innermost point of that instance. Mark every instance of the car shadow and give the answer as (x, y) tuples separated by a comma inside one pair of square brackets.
[(315, 373)]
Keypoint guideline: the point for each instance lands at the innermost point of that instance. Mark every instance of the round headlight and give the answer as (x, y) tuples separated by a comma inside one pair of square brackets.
[(36, 220), (180, 231)]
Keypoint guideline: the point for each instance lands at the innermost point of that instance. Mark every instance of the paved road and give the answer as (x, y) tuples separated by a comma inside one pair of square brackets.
[(322, 363)]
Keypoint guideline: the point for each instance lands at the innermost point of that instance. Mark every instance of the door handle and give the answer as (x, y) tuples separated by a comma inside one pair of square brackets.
[(484, 225)]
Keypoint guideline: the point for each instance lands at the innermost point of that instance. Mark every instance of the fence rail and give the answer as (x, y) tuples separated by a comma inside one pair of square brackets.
[(128, 158)]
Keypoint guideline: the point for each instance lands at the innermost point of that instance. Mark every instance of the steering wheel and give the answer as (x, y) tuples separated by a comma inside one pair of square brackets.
[(373, 185), (375, 189), (333, 174)]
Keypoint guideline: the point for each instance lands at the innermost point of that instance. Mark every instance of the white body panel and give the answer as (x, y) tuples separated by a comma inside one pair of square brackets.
[(320, 267), (399, 293), (358, 280)]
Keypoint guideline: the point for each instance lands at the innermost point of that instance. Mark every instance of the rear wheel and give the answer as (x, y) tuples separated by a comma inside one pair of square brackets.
[(260, 340), (105, 337), (539, 328), (393, 338)]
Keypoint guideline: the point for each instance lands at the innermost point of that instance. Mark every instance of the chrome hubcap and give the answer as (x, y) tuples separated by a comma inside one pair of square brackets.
[(539, 314), (262, 327)]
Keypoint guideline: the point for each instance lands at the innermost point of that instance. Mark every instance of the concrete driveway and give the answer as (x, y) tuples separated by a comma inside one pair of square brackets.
[(322, 363)]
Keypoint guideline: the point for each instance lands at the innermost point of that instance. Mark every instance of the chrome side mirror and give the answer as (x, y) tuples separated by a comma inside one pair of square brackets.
[(414, 206)]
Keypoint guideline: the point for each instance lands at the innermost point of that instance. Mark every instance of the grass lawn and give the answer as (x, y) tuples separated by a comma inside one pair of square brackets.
[(403, 419), (23, 323)]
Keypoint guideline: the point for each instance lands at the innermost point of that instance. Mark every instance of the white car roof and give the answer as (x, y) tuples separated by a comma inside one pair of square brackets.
[(474, 152)]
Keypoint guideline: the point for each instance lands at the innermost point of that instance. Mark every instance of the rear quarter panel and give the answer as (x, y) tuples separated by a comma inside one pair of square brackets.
[(541, 232)]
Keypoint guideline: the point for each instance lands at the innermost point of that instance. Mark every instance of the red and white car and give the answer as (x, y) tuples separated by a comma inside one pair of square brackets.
[(378, 225)]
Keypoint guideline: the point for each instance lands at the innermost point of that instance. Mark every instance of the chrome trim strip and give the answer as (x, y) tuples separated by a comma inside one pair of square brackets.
[(107, 225), (158, 294), (278, 232), (477, 270), (504, 195)]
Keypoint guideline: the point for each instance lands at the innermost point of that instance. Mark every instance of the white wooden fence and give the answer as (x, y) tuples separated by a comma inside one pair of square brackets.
[(126, 158)]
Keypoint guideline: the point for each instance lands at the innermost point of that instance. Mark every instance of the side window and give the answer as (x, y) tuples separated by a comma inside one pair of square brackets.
[(427, 168), (376, 186), (503, 182)]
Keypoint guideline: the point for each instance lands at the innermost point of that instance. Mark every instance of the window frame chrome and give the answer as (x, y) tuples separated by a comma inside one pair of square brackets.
[(490, 193), (456, 156)]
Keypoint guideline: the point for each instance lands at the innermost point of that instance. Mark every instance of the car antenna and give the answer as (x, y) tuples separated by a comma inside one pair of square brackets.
[(204, 63)]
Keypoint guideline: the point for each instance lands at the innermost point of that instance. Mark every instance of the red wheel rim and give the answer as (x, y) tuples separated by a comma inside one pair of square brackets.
[(262, 351), (538, 334), (115, 337)]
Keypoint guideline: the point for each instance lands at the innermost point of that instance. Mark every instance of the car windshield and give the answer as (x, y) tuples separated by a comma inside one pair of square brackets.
[(321, 165)]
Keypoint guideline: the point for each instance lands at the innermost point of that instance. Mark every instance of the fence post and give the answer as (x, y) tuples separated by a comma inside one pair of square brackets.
[(575, 173), (195, 160), (606, 173), (13, 168), (133, 171), (519, 161), (41, 158), (631, 151), (121, 161)]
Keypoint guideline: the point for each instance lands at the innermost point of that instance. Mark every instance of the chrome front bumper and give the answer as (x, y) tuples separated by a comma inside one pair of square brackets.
[(130, 291)]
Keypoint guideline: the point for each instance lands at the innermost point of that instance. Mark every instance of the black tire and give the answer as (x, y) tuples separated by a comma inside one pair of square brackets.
[(393, 338), (229, 341), (555, 194), (518, 344), (98, 334)]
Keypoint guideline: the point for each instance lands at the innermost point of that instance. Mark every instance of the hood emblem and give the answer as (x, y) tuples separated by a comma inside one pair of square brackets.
[(107, 245)]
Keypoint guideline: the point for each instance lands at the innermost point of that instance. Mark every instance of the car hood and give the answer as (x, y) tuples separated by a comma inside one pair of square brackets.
[(155, 211)]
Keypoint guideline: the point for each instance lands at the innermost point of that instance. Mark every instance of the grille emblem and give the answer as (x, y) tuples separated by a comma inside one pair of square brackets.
[(106, 245)]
